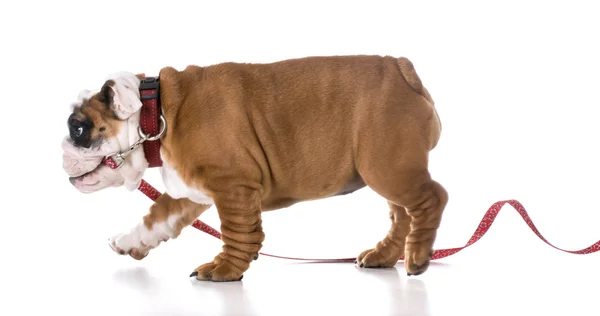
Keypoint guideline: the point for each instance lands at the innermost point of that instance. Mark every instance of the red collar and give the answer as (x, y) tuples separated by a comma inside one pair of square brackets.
[(149, 118), (152, 127)]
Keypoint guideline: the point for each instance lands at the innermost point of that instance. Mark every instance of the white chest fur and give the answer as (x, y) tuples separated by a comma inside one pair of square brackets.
[(177, 189)]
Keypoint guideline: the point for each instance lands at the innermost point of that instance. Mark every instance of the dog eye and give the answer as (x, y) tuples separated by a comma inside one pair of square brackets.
[(78, 131)]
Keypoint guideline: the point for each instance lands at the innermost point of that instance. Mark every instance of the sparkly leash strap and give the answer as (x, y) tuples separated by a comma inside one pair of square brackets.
[(484, 226)]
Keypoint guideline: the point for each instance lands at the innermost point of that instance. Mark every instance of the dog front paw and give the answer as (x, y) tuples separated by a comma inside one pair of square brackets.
[(122, 245), (218, 271)]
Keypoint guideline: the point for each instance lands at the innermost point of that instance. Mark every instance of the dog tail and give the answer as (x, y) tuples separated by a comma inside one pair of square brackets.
[(412, 78), (414, 81)]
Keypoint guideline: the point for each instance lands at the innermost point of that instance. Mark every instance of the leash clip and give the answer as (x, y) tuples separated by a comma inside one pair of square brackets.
[(119, 157)]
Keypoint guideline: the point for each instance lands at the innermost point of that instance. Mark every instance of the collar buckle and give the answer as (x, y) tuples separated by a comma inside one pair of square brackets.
[(150, 83)]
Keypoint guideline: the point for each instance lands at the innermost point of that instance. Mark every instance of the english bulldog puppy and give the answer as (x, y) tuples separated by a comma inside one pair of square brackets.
[(249, 138)]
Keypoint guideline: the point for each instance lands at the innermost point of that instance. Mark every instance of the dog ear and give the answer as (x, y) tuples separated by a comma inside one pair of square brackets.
[(107, 93), (121, 94)]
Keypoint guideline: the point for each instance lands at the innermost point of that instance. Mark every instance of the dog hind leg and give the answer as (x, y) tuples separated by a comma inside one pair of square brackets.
[(400, 174), (424, 200), (388, 251), (425, 207)]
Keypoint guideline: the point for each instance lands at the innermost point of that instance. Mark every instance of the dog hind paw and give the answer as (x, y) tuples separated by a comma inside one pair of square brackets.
[(417, 260), (372, 258)]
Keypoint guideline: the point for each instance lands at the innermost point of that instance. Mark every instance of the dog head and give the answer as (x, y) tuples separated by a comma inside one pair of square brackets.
[(103, 123)]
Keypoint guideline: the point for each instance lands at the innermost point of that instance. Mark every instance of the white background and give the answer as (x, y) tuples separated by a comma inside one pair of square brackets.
[(515, 83)]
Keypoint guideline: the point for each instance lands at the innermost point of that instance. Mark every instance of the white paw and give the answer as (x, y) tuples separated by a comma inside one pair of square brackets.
[(134, 244), (121, 245), (117, 245)]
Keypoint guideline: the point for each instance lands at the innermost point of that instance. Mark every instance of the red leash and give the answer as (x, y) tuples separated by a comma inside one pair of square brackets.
[(484, 226)]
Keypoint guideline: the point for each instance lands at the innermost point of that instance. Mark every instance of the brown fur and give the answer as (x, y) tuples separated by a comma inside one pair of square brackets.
[(105, 123), (257, 137)]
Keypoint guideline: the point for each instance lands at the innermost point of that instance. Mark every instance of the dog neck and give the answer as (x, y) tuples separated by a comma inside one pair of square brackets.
[(149, 118), (151, 127)]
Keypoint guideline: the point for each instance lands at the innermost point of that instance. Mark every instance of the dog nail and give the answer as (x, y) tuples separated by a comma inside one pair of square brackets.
[(255, 256), (241, 277), (195, 273)]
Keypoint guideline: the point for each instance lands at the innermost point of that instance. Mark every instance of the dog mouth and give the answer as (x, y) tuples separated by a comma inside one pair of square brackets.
[(82, 165), (83, 176)]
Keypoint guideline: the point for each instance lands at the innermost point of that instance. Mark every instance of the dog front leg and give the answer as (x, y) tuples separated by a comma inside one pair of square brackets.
[(165, 220), (241, 228)]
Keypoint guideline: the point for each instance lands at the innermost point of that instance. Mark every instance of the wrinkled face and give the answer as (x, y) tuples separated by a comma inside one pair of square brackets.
[(91, 122), (100, 124)]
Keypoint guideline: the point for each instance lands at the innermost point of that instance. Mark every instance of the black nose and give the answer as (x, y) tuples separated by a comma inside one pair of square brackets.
[(76, 128), (80, 131)]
